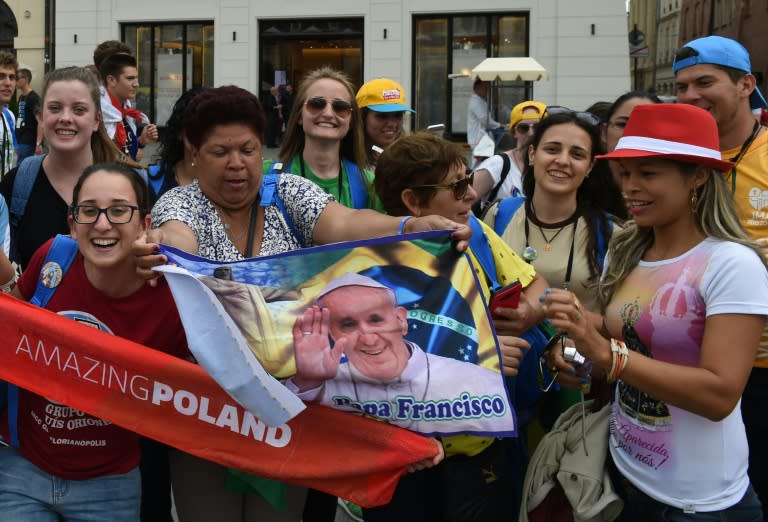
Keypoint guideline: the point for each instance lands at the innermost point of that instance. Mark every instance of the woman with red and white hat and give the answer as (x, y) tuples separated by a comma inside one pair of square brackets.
[(684, 297)]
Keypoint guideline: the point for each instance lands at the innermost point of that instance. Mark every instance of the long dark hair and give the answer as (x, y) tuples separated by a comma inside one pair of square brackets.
[(597, 194)]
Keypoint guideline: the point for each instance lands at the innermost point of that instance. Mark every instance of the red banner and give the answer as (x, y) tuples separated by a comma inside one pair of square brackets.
[(177, 403)]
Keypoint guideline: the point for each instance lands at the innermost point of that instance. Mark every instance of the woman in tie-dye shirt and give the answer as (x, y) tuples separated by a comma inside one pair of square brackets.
[(685, 297)]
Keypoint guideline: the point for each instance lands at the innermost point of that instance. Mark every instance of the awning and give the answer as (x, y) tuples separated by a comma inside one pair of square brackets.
[(510, 69)]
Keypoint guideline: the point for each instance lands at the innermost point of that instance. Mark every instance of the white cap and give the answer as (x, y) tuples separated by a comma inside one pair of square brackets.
[(351, 279)]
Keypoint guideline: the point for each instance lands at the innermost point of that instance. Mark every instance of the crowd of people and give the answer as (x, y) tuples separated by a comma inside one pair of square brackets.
[(634, 229)]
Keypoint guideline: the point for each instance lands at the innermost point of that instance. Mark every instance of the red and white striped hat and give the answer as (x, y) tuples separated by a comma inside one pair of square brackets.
[(675, 131)]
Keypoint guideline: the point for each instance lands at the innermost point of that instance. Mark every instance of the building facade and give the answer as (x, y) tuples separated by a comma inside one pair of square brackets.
[(426, 45), (742, 20), (668, 42)]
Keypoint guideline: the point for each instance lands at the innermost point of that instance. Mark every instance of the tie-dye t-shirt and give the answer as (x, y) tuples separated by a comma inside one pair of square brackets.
[(677, 457)]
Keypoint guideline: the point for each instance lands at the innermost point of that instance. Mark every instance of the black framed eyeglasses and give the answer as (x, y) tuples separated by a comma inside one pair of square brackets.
[(116, 214), (459, 187), (586, 117), (318, 103)]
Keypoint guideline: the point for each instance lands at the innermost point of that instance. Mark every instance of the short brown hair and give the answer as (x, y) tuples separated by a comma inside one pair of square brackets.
[(114, 65), (419, 159), (8, 60), (106, 49)]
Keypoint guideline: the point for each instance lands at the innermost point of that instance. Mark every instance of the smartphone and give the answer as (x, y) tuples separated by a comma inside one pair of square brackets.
[(507, 297)]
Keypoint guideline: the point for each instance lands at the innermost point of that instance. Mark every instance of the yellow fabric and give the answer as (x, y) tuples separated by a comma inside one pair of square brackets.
[(509, 266), (751, 199)]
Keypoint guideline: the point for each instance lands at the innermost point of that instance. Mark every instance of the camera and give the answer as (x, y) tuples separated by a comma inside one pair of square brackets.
[(582, 364)]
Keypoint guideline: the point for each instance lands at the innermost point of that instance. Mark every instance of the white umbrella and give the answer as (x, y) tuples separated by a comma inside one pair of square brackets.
[(510, 69)]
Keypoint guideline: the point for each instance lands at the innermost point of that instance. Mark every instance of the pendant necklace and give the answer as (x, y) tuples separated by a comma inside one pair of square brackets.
[(549, 240)]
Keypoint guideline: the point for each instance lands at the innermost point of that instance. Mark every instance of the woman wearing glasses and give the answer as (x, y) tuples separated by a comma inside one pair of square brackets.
[(324, 141), (94, 474), (221, 216), (424, 174), (499, 177)]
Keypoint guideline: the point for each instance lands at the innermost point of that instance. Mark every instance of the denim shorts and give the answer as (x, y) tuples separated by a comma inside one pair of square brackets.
[(28, 493)]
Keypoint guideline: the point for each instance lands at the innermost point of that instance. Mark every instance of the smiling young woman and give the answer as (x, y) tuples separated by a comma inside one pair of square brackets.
[(324, 140), (102, 289)]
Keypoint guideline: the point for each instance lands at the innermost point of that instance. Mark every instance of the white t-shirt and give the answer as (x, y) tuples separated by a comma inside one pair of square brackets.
[(677, 457), (513, 183), (478, 119)]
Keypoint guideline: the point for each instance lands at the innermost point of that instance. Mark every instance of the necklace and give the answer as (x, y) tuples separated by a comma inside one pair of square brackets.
[(548, 240), (744, 148), (251, 231)]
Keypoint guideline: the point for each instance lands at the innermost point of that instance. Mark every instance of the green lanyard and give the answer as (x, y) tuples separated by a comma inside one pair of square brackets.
[(744, 148)]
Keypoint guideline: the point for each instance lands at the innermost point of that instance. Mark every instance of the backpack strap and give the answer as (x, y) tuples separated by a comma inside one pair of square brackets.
[(506, 209), (25, 178), (480, 246), (269, 195), (506, 165), (604, 234), (26, 175), (155, 177), (357, 186), (62, 252)]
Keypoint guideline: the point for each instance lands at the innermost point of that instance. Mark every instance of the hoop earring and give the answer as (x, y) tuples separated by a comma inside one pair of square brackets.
[(694, 200)]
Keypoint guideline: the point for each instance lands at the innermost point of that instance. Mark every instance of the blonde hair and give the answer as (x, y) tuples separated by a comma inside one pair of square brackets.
[(715, 215), (352, 145)]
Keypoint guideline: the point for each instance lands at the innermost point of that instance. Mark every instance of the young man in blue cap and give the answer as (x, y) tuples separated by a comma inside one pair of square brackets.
[(715, 73)]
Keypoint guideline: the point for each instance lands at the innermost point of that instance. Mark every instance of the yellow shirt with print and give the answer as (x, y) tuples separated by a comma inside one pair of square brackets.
[(509, 266), (751, 198)]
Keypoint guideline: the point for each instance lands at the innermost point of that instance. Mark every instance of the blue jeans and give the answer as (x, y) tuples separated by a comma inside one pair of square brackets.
[(640, 507), (27, 493)]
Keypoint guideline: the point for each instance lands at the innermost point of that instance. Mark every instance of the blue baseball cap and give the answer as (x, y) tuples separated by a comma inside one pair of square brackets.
[(717, 50)]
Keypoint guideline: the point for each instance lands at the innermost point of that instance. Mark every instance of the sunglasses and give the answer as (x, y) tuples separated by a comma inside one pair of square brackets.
[(317, 104), (586, 117), (459, 187), (524, 128)]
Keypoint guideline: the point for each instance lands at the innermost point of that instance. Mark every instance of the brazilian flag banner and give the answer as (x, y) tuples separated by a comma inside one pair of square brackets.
[(392, 328)]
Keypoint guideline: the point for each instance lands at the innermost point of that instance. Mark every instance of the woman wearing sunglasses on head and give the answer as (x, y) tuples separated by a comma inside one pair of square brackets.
[(324, 141), (424, 174), (499, 177), (684, 297), (563, 226)]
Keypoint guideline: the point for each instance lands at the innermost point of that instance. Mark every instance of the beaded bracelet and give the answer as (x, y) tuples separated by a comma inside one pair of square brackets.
[(403, 221), (619, 359)]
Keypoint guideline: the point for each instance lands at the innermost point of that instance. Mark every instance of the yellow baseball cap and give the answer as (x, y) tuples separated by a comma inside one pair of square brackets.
[(517, 112), (382, 95)]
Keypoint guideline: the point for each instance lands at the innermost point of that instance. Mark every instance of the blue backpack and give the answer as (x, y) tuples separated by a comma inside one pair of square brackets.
[(357, 185), (62, 252)]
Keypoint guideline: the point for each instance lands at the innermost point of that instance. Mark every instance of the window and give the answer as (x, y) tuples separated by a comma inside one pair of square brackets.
[(289, 49), (172, 58), (8, 29), (455, 44)]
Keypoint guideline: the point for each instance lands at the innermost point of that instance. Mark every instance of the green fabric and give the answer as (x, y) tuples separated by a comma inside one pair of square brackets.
[(331, 186), (273, 491)]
